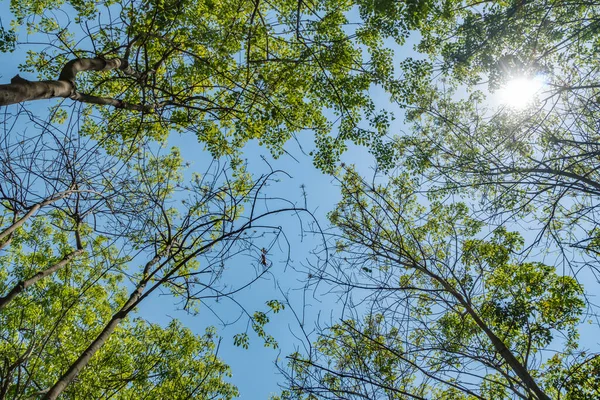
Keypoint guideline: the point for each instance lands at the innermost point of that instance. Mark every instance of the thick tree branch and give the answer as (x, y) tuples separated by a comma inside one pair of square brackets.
[(21, 90), (6, 233), (22, 285)]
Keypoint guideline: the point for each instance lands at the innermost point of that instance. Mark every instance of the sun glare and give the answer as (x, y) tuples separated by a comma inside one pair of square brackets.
[(520, 92)]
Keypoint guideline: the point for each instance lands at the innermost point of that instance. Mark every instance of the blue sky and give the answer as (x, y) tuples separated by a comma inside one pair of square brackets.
[(254, 371)]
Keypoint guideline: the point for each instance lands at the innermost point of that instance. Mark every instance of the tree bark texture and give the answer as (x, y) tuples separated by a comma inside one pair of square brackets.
[(22, 285), (101, 339), (21, 90)]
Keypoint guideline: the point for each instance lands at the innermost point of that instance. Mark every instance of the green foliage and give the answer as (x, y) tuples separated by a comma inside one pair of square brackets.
[(84, 246), (258, 322), (580, 380), (47, 327), (453, 311), (457, 307), (159, 362), (241, 340), (7, 40), (538, 162), (230, 72), (275, 306)]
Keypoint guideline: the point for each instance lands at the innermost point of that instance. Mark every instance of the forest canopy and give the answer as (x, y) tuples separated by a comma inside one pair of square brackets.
[(463, 266)]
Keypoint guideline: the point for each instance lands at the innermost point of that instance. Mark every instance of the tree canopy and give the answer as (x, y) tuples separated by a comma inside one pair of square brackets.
[(227, 71), (87, 237), (451, 313), (463, 268)]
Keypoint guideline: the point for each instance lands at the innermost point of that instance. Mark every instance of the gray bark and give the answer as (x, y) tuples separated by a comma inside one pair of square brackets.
[(101, 339), (20, 90), (22, 285), (6, 233)]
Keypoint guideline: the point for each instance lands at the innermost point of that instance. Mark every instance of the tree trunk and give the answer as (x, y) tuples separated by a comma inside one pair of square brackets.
[(509, 357), (518, 368), (9, 231), (101, 339), (20, 90), (22, 285)]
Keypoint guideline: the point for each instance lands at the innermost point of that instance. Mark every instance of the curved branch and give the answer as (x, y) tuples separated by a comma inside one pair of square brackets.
[(20, 90)]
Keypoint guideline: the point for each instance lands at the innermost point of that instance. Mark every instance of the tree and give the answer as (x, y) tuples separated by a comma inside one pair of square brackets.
[(58, 176), (75, 268), (451, 311), (47, 326), (51, 322), (411, 328), (443, 319), (227, 71), (539, 162)]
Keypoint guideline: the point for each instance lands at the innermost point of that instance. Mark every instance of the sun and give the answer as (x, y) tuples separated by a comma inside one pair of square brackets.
[(520, 92)]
